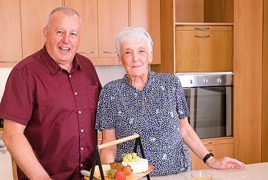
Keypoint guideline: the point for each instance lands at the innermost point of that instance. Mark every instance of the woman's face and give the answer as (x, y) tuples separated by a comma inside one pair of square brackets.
[(62, 37), (135, 57)]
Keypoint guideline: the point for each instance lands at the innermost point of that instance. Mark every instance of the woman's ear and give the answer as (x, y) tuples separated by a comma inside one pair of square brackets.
[(119, 59), (150, 57)]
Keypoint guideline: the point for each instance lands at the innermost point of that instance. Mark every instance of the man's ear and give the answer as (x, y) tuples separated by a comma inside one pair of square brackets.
[(45, 34)]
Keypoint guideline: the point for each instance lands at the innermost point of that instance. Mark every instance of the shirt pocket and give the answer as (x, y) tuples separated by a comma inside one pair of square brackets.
[(92, 92)]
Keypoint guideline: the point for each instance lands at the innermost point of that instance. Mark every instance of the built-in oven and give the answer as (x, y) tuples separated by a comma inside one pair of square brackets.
[(210, 100)]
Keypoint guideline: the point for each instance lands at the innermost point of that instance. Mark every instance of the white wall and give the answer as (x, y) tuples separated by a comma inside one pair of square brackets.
[(106, 74)]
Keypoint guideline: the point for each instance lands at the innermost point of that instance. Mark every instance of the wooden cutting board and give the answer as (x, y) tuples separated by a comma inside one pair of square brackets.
[(133, 176)]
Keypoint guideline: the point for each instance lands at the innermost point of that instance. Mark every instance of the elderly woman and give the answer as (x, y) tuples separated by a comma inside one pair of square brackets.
[(152, 105)]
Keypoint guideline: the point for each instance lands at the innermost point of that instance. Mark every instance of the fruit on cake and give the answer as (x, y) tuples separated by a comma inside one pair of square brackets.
[(137, 164)]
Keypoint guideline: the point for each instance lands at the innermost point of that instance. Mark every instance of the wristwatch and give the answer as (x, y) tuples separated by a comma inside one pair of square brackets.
[(207, 156)]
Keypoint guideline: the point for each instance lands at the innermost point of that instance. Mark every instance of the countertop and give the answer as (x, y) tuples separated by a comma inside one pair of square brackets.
[(258, 171)]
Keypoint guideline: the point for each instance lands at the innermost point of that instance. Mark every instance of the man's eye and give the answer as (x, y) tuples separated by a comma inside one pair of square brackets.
[(59, 32), (73, 34), (127, 52)]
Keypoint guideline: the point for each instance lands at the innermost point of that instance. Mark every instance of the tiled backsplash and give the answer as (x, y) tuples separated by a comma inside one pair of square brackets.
[(106, 74)]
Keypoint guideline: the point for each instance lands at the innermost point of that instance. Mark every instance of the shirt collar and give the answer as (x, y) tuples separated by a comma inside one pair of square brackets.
[(53, 66), (150, 80)]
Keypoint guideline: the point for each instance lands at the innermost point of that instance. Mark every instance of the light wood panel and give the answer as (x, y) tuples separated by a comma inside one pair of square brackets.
[(88, 10), (264, 130), (204, 48), (112, 18), (189, 10), (167, 37), (11, 49), (150, 9), (247, 80), (34, 16)]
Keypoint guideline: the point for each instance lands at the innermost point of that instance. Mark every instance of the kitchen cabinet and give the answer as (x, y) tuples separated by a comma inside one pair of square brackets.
[(11, 49), (203, 48), (34, 16), (88, 10), (220, 147), (102, 21), (208, 13)]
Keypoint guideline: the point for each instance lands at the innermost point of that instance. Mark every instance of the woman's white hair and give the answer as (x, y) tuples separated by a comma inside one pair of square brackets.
[(133, 33)]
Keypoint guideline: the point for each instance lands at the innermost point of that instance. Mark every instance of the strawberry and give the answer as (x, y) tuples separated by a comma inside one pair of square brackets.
[(120, 175), (127, 170)]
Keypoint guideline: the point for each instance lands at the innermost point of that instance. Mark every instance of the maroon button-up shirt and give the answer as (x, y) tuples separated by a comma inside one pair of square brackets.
[(58, 109)]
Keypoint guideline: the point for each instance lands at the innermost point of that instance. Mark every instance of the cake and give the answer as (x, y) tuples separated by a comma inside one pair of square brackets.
[(137, 166)]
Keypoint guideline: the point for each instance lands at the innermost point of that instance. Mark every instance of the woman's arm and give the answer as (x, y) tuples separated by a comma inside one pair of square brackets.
[(195, 144), (108, 154), (21, 151)]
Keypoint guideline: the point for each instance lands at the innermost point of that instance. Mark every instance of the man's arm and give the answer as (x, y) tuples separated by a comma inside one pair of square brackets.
[(21, 151)]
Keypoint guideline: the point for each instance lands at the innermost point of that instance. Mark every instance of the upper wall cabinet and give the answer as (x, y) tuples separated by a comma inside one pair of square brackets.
[(104, 19), (206, 11), (88, 10), (11, 51), (34, 16), (22, 22)]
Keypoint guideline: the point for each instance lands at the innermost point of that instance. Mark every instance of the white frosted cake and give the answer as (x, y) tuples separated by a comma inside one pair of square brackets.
[(137, 166)]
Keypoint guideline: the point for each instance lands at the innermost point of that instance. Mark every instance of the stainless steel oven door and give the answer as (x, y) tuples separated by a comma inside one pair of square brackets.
[(210, 110)]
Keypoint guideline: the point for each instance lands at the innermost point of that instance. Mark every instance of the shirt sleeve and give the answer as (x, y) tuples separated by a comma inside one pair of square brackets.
[(17, 100)]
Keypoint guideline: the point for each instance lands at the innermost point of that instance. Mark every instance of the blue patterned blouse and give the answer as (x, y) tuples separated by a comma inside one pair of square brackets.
[(154, 114)]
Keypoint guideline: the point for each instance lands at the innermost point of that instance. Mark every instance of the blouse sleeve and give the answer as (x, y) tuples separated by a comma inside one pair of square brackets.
[(105, 110), (182, 107)]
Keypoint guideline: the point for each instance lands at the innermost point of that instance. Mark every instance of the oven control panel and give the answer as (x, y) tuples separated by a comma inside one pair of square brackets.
[(205, 79)]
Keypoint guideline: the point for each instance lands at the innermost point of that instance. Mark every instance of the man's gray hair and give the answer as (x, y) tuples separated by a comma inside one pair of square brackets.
[(66, 10)]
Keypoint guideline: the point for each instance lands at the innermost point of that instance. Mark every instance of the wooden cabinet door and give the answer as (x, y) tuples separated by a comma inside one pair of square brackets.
[(88, 10), (112, 18), (188, 51), (11, 50), (34, 16), (146, 14), (204, 49), (220, 147), (218, 49)]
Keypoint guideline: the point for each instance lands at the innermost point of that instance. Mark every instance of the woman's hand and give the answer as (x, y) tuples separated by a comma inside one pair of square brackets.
[(224, 163)]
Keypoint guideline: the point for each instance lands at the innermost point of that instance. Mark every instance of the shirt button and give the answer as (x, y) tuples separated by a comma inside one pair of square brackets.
[(82, 130), (81, 165), (82, 148), (75, 93), (70, 76), (79, 112)]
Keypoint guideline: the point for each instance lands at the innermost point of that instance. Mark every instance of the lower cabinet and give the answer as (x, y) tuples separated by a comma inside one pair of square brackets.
[(220, 147)]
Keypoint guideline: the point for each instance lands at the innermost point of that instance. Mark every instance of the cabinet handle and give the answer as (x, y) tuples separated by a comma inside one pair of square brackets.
[(86, 52), (109, 52), (202, 29), (207, 36), (208, 143), (8, 61)]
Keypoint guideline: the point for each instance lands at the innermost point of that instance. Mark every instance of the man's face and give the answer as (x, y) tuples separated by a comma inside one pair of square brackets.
[(62, 37)]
